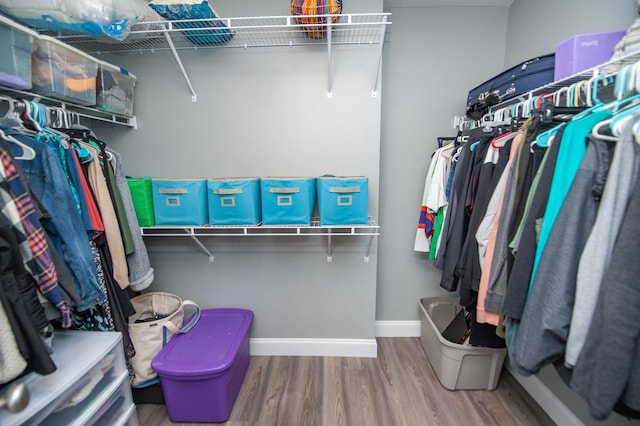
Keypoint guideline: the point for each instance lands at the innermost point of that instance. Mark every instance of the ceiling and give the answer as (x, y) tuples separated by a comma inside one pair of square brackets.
[(425, 3)]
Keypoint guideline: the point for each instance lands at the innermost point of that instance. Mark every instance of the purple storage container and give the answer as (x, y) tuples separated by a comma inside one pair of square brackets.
[(584, 51), (202, 371)]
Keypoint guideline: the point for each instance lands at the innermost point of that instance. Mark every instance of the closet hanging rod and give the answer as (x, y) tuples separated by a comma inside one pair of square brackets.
[(79, 111)]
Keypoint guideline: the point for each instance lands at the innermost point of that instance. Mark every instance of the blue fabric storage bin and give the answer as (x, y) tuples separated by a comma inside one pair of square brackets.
[(343, 200), (180, 201), (234, 201), (287, 200)]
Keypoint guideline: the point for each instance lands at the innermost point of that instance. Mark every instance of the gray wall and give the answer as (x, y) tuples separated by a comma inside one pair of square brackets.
[(429, 66), (263, 112), (537, 26)]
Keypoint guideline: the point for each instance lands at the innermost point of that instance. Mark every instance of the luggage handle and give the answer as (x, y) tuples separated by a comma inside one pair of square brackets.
[(344, 189), (227, 191), (284, 190)]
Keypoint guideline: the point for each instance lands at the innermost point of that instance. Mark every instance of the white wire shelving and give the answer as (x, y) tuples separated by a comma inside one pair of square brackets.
[(371, 230), (75, 112), (365, 29), (608, 68)]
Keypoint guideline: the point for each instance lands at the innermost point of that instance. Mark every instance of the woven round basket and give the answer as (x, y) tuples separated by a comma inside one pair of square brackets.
[(312, 25)]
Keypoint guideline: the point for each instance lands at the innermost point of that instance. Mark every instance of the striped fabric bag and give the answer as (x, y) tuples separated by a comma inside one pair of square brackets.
[(315, 26)]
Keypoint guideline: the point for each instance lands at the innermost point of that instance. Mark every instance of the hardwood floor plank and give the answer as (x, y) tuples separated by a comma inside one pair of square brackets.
[(399, 387), (333, 393)]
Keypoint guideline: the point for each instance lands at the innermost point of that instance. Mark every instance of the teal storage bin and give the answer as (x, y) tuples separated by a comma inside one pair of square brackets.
[(180, 202), (343, 200), (287, 200), (234, 201)]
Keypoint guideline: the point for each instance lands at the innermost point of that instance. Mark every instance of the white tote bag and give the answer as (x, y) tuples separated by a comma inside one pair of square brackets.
[(159, 316)]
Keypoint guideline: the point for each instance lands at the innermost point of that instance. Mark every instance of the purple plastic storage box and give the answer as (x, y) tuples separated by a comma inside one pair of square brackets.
[(584, 51), (202, 371)]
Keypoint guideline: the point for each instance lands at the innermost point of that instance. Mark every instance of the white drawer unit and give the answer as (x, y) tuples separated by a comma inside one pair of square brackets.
[(90, 386)]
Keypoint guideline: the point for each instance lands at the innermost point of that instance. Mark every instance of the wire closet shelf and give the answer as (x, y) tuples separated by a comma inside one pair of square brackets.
[(371, 230), (266, 31)]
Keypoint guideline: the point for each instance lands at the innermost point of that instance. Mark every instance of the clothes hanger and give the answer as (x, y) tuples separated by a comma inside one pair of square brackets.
[(622, 113), (621, 88), (636, 132), (28, 153), (10, 119), (542, 140)]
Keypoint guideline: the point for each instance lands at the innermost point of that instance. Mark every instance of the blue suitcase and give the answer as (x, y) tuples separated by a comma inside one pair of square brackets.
[(522, 78)]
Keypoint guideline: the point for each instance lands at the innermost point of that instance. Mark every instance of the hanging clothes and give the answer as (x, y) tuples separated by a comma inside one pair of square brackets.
[(49, 183), (490, 291), (607, 371), (458, 220), (432, 199), (542, 338), (140, 270), (112, 231), (35, 249)]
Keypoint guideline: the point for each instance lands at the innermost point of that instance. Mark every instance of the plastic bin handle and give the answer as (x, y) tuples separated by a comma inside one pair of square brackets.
[(284, 190)]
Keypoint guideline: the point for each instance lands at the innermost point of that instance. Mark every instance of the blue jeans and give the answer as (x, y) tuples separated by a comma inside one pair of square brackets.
[(65, 227)]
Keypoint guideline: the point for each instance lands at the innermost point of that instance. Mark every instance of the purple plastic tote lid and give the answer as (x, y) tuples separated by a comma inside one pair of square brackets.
[(208, 348)]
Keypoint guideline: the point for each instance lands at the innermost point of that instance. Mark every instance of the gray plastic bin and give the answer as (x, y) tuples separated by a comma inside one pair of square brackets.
[(457, 366)]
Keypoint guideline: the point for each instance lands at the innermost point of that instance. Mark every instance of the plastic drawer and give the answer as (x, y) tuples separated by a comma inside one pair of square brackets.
[(117, 408), (92, 405)]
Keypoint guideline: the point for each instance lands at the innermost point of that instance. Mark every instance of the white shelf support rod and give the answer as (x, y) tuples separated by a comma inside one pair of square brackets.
[(199, 243), (194, 97), (374, 90), (329, 22), (329, 253), (366, 255)]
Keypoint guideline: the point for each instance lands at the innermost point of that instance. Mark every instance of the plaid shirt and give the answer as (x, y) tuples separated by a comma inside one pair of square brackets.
[(33, 244)]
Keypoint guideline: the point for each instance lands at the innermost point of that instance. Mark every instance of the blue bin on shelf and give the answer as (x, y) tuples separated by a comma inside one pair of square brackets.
[(234, 201), (287, 200), (180, 202)]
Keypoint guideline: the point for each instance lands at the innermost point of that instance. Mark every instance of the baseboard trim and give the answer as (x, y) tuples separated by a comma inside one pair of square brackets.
[(365, 348), (398, 328), (552, 405)]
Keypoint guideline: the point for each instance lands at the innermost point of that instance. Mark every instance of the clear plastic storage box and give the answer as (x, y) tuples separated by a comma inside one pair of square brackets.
[(15, 50), (457, 366), (63, 72), (115, 89)]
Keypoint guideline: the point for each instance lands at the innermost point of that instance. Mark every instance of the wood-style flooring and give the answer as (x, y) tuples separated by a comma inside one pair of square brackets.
[(397, 388)]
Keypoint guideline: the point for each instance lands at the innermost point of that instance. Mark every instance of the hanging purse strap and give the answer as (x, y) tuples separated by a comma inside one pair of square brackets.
[(192, 321)]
